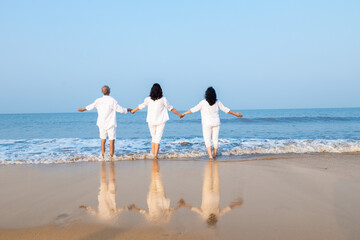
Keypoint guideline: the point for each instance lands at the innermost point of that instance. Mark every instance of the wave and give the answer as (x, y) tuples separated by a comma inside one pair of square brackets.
[(65, 150), (295, 119), (282, 120)]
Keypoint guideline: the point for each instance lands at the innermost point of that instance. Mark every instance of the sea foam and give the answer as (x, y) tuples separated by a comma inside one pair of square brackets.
[(64, 150)]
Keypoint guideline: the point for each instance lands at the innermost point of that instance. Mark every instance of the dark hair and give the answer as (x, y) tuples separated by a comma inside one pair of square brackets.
[(156, 92), (210, 96), (211, 220), (105, 90)]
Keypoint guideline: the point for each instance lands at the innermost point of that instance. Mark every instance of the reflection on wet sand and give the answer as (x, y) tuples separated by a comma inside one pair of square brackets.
[(107, 210), (210, 205), (159, 210)]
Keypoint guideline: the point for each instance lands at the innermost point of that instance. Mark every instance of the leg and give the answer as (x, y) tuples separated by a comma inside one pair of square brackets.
[(103, 135), (112, 136), (207, 139), (207, 182), (103, 173), (103, 141), (112, 184), (152, 129), (215, 137), (153, 148), (112, 172), (216, 182), (209, 152), (158, 134), (112, 143), (157, 186), (156, 150)]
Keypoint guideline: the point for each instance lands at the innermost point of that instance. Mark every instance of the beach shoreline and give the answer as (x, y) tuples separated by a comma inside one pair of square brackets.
[(287, 196)]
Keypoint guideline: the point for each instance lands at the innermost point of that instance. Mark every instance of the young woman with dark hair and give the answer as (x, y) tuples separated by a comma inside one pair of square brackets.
[(157, 115), (210, 120)]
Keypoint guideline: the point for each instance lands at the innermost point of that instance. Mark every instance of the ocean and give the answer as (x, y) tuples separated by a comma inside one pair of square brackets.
[(72, 137)]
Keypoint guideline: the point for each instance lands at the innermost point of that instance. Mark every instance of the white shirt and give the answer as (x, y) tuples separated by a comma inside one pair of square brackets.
[(210, 114), (158, 204), (211, 194), (157, 110), (107, 108)]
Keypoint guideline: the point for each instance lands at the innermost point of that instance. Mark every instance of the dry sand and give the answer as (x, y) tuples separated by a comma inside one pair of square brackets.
[(308, 196)]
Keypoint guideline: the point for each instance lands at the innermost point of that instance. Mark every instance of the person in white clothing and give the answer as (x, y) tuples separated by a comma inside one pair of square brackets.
[(106, 121), (157, 115), (210, 120), (159, 210), (210, 205), (107, 210)]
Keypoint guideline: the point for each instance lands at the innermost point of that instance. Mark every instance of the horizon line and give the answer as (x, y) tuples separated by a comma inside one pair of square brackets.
[(246, 109)]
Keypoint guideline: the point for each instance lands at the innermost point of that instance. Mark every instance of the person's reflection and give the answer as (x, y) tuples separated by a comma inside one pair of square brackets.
[(210, 205), (107, 196), (159, 210)]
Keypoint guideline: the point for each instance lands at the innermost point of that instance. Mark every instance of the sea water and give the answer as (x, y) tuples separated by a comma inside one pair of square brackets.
[(69, 137)]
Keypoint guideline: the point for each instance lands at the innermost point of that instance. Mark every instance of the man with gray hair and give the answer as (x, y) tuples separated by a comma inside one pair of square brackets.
[(107, 108)]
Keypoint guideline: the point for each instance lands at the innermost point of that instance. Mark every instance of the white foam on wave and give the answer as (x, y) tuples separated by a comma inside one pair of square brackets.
[(294, 146), (65, 150)]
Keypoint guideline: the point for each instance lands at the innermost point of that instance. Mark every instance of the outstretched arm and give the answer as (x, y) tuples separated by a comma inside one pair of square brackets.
[(234, 204), (177, 113), (119, 210), (187, 112), (89, 209), (238, 114), (135, 110), (171, 108), (89, 107), (121, 109), (133, 207), (182, 203), (227, 110), (141, 106), (194, 109)]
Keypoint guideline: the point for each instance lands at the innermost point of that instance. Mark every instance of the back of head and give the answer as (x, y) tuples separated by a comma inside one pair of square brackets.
[(156, 92), (212, 220), (105, 90), (210, 96)]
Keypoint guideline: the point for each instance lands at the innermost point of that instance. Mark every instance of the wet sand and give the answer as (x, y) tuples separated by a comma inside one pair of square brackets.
[(307, 196)]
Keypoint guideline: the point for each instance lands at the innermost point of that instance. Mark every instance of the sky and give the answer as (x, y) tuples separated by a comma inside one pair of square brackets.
[(56, 55)]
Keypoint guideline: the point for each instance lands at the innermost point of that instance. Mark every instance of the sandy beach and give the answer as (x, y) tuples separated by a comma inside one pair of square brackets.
[(291, 196)]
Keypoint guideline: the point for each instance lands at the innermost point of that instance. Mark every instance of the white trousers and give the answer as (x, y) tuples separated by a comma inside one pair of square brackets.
[(111, 133), (156, 132), (207, 131)]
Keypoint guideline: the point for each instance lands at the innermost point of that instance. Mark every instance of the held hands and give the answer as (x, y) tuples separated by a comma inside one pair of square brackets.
[(132, 207), (181, 116), (129, 109), (181, 203)]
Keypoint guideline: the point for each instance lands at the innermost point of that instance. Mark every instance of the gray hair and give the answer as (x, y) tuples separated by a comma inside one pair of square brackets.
[(105, 90)]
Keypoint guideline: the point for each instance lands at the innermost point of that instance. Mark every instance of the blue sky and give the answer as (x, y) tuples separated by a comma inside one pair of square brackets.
[(56, 55)]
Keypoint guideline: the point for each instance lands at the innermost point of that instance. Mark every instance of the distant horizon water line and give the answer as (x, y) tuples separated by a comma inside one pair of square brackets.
[(242, 109)]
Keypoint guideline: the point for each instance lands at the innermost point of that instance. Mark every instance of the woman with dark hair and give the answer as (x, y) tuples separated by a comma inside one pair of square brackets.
[(210, 120), (157, 115)]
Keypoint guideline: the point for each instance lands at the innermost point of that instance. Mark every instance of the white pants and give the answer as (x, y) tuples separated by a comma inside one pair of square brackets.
[(109, 132), (207, 131), (156, 132)]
